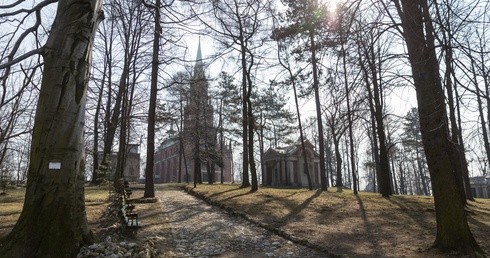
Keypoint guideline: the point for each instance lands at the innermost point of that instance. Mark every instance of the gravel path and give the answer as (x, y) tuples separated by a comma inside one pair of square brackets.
[(201, 230)]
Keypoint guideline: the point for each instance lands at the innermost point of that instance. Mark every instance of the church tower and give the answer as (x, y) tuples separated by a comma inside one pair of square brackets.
[(194, 152), (199, 132)]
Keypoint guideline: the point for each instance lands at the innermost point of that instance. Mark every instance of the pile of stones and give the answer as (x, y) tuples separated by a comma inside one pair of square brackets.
[(113, 249)]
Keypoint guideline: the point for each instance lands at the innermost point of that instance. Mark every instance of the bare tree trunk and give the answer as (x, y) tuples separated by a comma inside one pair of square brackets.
[(95, 176), (459, 157), (483, 122), (251, 127), (421, 173), (53, 221), (150, 145), (338, 158), (349, 117), (292, 78), (113, 121), (245, 141), (321, 139), (383, 172), (453, 233)]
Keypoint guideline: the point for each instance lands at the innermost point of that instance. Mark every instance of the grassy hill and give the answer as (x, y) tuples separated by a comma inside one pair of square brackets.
[(363, 225)]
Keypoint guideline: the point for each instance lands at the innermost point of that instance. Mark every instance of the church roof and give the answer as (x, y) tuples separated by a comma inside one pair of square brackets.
[(290, 149)]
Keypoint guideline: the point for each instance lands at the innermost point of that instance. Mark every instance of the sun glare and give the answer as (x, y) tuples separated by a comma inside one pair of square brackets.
[(332, 4)]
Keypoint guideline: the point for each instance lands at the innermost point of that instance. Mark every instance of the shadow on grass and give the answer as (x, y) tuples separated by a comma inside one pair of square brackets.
[(10, 213), (227, 191), (236, 196), (413, 210), (296, 210), (367, 225), (478, 206), (477, 214)]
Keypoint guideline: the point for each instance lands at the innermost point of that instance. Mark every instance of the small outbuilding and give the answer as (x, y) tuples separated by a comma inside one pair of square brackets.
[(285, 166), (480, 187)]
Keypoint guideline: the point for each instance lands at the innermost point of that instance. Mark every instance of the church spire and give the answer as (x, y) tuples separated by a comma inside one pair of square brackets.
[(199, 54), (199, 66)]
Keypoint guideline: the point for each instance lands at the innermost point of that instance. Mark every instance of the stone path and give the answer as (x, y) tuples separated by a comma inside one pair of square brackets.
[(201, 230)]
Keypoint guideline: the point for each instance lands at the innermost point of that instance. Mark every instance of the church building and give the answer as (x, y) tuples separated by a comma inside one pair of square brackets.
[(194, 152)]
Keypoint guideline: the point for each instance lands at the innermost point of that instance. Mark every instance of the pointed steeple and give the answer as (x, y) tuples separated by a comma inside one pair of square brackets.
[(199, 66), (199, 54)]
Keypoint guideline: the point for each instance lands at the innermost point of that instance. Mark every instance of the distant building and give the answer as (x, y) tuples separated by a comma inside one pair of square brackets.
[(167, 156), (196, 148), (132, 166), (480, 187), (285, 166), (171, 164)]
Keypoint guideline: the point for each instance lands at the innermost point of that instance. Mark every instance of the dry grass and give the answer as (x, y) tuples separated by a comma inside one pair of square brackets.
[(363, 225), (96, 202), (367, 225)]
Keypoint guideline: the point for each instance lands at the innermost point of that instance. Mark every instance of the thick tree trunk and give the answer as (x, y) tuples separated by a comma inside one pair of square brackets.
[(53, 221), (453, 232), (384, 176), (459, 157), (150, 146)]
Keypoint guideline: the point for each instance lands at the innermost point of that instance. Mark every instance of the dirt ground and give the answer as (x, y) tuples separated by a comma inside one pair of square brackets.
[(363, 226)]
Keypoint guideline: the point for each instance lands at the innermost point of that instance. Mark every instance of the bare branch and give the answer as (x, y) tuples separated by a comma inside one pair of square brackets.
[(21, 58)]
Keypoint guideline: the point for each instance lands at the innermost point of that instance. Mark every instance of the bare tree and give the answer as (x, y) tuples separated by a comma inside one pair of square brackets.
[(292, 80), (371, 62), (238, 27), (150, 145), (453, 232), (306, 20), (53, 221)]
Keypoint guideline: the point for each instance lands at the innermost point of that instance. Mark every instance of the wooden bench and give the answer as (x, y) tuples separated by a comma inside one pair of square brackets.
[(129, 218)]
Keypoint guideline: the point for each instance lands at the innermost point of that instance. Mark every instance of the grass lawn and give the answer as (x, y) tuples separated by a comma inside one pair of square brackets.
[(96, 202), (363, 225)]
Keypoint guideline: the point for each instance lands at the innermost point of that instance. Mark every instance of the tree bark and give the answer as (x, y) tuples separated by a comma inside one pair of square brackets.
[(251, 126), (53, 221), (453, 233), (338, 160), (150, 146), (245, 157)]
